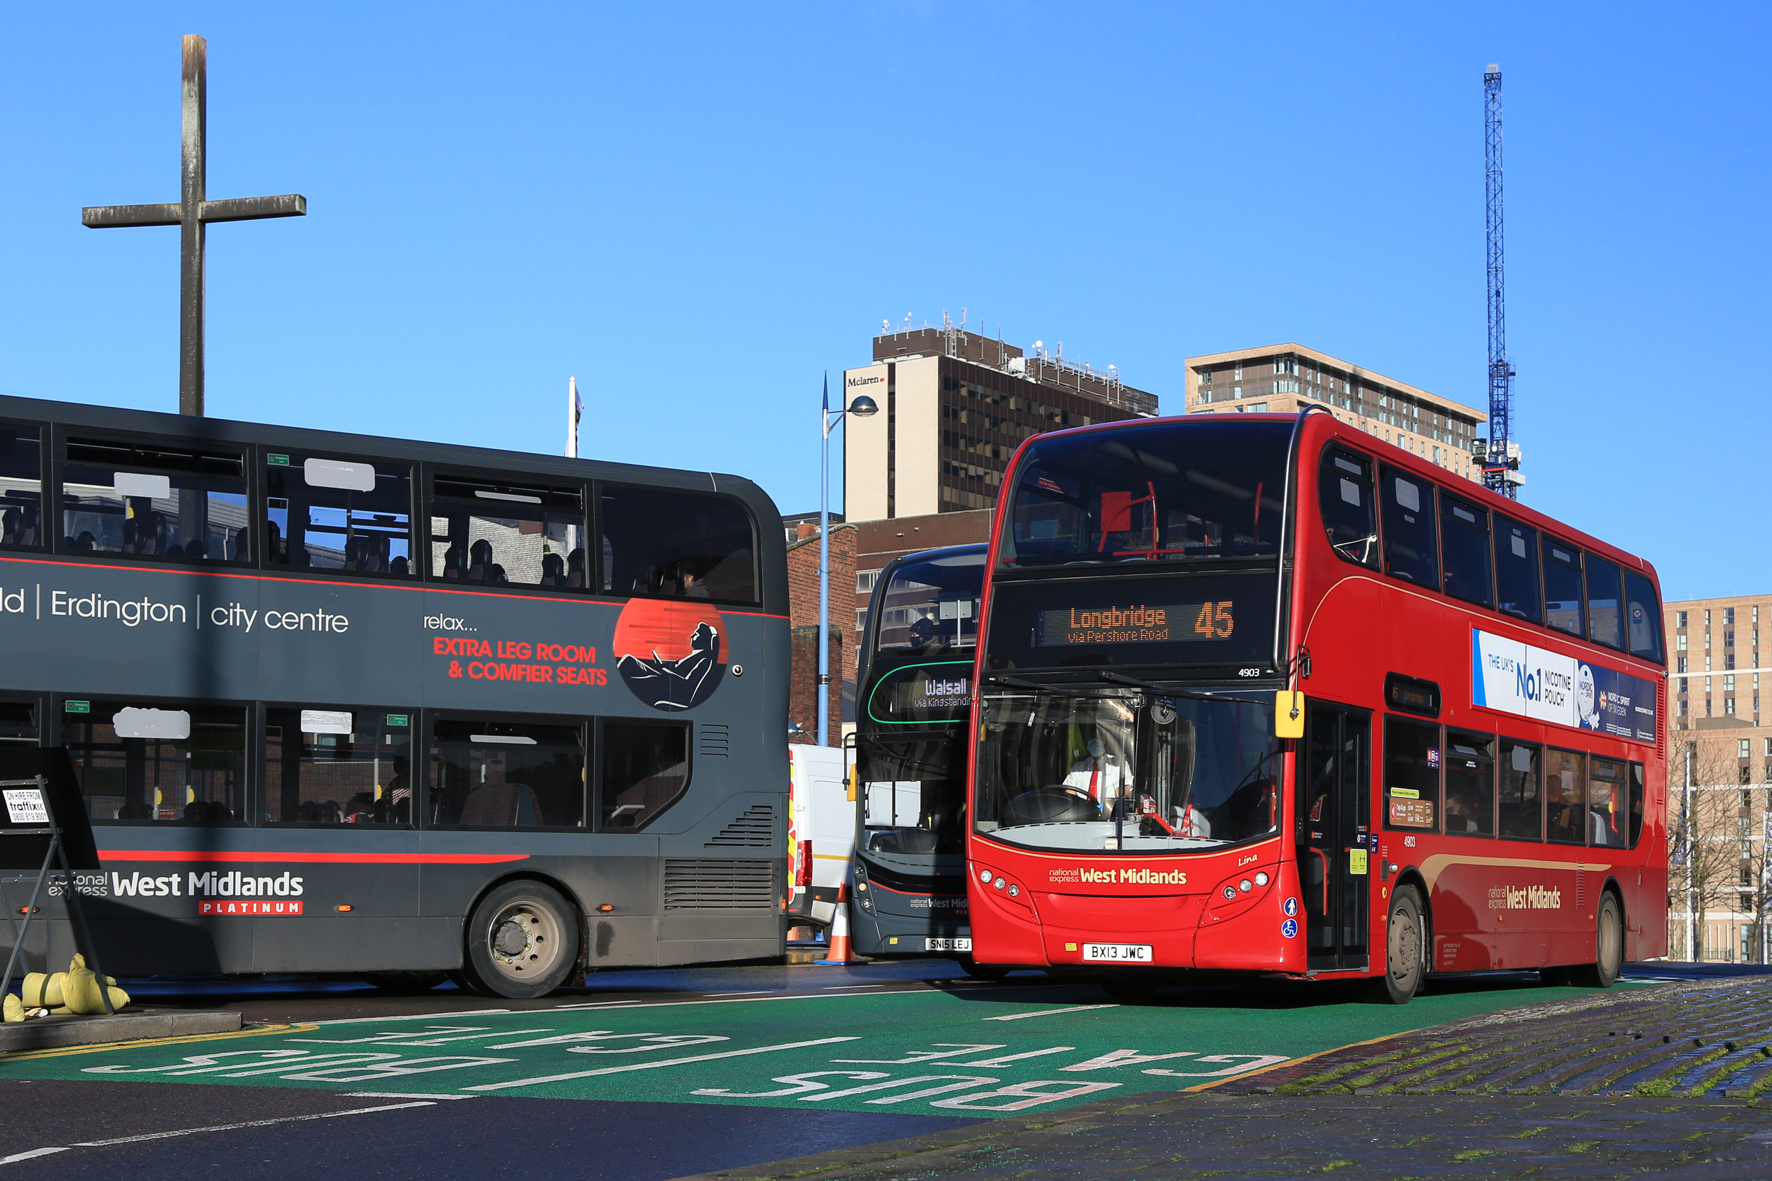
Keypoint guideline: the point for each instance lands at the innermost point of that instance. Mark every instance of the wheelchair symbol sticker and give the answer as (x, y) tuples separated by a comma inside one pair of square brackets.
[(1289, 928)]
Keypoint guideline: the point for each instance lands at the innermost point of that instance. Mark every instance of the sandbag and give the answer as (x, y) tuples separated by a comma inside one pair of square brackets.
[(42, 989)]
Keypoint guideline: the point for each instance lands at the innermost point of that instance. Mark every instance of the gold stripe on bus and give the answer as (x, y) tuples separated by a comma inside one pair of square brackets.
[(1439, 862)]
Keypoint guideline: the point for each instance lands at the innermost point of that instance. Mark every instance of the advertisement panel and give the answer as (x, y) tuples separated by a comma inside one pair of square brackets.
[(1517, 678)]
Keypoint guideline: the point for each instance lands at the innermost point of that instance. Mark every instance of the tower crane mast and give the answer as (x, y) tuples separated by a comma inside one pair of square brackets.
[(1501, 468)]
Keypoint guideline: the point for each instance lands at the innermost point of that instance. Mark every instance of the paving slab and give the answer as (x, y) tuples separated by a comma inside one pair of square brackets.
[(1225, 1135), (54, 1033)]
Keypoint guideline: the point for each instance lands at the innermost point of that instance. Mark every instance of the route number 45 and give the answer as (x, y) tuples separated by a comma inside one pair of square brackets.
[(1214, 621)]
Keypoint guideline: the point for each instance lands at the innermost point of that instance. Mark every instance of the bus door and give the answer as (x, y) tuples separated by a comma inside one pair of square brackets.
[(1334, 829)]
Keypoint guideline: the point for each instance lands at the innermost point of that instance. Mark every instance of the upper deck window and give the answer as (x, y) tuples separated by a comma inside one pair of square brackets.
[(338, 514), (1410, 551), (1604, 617), (1347, 506), (154, 499), (1642, 616), (490, 531), (1562, 588), (1516, 570), (1170, 492), (1464, 533), (684, 545), (930, 607), (21, 487)]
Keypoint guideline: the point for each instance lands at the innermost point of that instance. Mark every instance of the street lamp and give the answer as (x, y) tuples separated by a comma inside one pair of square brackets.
[(862, 407)]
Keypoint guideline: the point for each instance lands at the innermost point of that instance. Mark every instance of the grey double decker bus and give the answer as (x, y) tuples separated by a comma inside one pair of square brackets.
[(912, 717), (339, 703)]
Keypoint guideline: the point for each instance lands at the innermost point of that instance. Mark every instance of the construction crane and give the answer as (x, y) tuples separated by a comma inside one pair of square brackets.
[(1501, 468)]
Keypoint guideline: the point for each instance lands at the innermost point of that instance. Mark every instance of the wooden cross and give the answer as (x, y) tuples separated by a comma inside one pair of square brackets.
[(191, 214)]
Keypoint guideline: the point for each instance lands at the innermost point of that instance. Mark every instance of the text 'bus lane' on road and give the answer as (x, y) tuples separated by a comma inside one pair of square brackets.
[(922, 1050)]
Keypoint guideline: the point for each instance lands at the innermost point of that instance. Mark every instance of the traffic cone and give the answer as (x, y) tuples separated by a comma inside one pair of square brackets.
[(840, 953)]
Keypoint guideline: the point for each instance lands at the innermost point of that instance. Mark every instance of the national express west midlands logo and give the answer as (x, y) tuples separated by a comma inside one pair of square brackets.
[(671, 654)]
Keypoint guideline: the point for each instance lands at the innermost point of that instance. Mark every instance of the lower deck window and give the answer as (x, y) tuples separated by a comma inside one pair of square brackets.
[(645, 770), (158, 762), (337, 766), (505, 774), (1411, 774)]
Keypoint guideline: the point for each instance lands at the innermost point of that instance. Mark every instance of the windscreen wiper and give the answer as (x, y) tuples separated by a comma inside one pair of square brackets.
[(1018, 683), (1114, 678)]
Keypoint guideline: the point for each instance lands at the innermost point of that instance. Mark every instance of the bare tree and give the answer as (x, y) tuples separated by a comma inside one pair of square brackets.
[(1715, 862)]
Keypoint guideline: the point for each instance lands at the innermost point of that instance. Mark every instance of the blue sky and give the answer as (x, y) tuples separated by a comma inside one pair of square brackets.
[(697, 209)]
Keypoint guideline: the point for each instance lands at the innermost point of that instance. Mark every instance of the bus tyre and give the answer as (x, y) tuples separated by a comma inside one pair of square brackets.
[(1403, 942), (1608, 947), (522, 941)]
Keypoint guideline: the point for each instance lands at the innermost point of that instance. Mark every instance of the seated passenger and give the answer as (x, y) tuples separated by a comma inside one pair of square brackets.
[(693, 586), (196, 550), (480, 561), (1459, 816), (399, 566), (926, 637), (86, 542), (497, 574)]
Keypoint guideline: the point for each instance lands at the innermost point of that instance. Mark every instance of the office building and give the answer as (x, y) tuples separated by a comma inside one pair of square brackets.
[(954, 407)]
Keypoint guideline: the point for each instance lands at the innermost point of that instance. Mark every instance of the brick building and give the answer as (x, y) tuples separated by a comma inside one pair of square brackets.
[(803, 629), (1720, 758)]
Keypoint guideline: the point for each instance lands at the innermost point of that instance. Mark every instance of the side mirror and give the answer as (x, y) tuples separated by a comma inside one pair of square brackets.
[(1288, 714)]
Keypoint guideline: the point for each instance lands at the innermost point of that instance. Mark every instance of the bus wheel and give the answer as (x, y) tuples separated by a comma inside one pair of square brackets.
[(522, 941), (1402, 951), (1608, 947), (980, 971)]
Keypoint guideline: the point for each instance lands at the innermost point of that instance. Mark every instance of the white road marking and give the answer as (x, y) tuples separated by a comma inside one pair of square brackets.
[(401, 1095), (1017, 1057), (743, 992), (35, 1152), (253, 1123), (410, 1017), (828, 987), (752, 1000), (1050, 1012), (556, 1078)]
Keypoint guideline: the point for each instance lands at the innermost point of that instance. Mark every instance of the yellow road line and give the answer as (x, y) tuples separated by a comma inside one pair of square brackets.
[(161, 1041), (1293, 1062)]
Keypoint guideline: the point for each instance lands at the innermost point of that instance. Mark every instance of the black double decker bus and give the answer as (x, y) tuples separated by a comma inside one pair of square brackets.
[(913, 706), (340, 703)]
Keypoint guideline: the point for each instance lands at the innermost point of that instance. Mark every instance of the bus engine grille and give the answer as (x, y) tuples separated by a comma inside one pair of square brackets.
[(718, 885)]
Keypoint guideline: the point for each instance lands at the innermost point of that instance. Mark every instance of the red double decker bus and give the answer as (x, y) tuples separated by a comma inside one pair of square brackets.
[(1262, 693)]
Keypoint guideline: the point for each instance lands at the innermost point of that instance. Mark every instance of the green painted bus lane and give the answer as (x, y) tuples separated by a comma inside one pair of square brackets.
[(965, 1051)]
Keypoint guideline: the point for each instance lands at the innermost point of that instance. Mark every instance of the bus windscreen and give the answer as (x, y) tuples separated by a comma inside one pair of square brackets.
[(1166, 492)]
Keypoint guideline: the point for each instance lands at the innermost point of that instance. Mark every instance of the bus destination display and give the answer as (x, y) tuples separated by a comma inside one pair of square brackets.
[(1136, 623)]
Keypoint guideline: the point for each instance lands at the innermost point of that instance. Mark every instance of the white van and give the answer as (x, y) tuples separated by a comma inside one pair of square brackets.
[(821, 831)]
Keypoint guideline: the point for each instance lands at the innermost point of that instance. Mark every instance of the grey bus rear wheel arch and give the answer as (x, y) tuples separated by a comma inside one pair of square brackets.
[(522, 941)]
